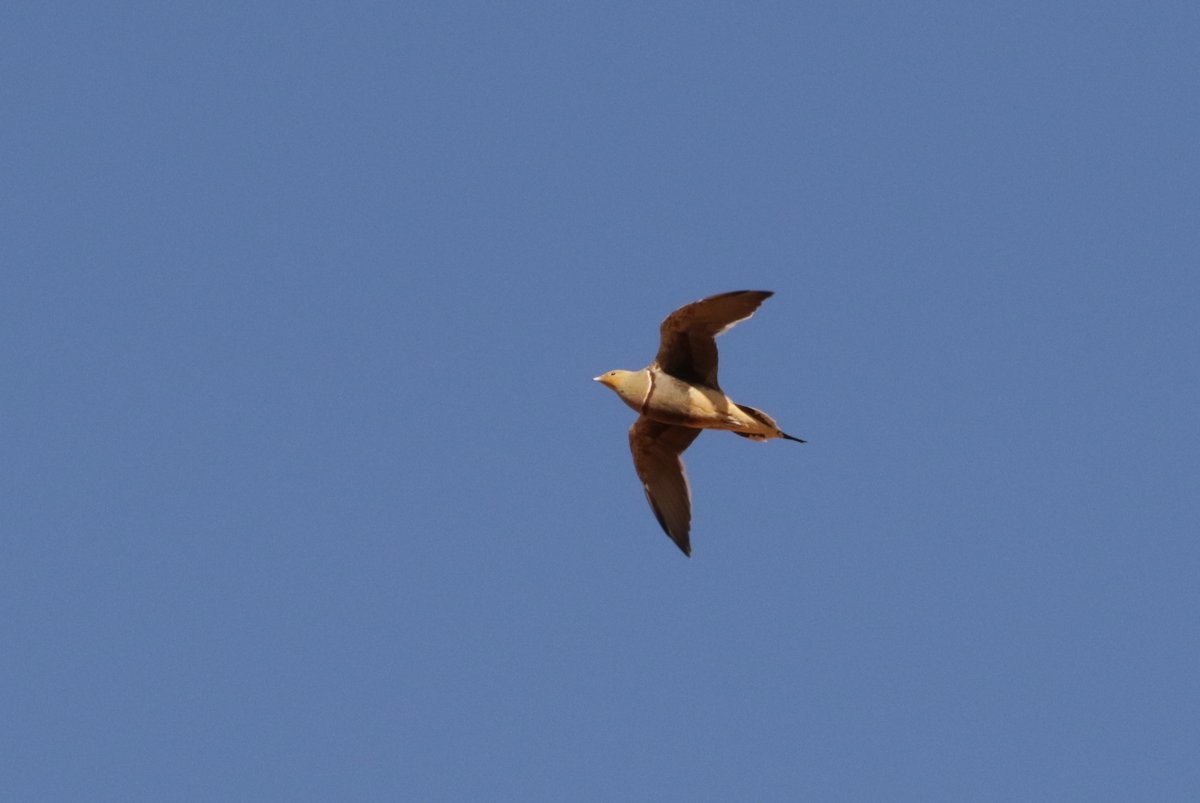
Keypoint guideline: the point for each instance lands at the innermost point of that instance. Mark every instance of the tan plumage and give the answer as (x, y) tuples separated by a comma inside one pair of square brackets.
[(677, 396)]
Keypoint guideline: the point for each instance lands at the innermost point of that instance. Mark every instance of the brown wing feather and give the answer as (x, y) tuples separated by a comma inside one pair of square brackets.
[(688, 347), (656, 451)]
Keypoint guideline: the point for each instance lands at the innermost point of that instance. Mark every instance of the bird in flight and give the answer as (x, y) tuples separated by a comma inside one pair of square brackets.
[(677, 396)]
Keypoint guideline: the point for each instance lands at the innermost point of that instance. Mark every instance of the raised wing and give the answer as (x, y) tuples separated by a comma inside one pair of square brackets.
[(688, 347)]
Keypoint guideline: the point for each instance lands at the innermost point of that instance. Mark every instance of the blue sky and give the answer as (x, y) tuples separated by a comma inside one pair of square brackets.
[(308, 493)]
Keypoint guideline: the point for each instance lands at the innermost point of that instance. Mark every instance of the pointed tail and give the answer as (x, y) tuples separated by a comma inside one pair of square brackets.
[(766, 419)]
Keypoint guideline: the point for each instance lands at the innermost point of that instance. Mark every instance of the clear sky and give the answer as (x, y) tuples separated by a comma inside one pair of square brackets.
[(308, 493)]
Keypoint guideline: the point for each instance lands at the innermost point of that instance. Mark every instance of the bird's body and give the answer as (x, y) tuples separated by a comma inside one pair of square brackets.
[(657, 395), (677, 396)]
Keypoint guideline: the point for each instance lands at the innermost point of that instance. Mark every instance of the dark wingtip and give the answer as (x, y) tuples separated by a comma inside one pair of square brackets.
[(790, 438), (764, 293), (684, 543)]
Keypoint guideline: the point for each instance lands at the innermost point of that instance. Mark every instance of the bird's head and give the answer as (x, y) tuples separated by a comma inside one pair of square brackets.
[(631, 386)]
